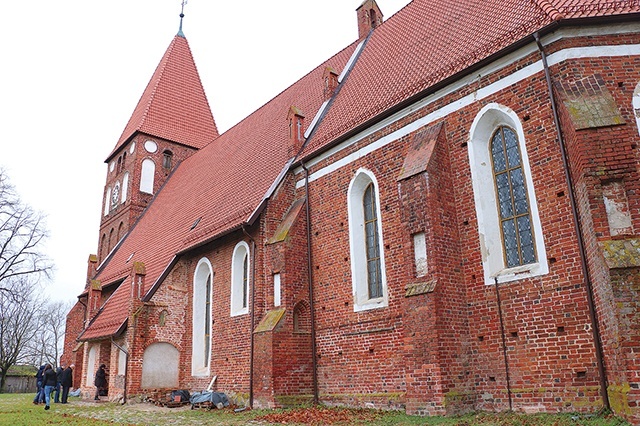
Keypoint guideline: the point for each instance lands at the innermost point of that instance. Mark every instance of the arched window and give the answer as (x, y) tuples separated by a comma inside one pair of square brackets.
[(115, 196), (103, 247), (107, 201), (301, 318), (372, 242), (120, 231), (513, 204), (125, 187), (160, 366), (636, 106), (202, 297), (167, 160), (147, 176), (111, 242), (373, 17), (365, 234), (240, 279), (92, 364), (508, 221)]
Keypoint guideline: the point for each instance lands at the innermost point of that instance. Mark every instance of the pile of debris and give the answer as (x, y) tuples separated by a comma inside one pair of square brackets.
[(205, 399)]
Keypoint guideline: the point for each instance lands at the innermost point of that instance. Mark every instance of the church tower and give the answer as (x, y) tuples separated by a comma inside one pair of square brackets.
[(171, 121)]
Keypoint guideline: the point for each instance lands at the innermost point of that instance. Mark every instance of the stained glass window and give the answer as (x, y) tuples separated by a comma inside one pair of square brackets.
[(207, 321), (513, 204), (372, 246), (245, 286)]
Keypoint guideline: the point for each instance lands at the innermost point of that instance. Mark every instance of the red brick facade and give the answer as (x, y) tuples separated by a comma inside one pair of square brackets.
[(444, 342)]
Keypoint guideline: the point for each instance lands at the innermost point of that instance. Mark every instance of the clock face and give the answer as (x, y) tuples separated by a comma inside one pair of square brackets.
[(115, 195)]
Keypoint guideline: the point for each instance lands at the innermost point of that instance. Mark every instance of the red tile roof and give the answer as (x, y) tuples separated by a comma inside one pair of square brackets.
[(430, 40), (173, 105), (222, 184)]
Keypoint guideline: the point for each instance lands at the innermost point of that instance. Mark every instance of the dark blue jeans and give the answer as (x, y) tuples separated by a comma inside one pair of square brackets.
[(56, 399), (47, 394), (39, 393)]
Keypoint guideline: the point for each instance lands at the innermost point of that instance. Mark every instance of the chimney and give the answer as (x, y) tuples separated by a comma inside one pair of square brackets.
[(295, 120), (369, 17), (330, 79)]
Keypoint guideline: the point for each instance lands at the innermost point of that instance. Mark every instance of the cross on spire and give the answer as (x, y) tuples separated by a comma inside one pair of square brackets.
[(180, 33)]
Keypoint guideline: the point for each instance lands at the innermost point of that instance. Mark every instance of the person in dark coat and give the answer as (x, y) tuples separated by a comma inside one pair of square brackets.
[(59, 371), (49, 381), (39, 398), (67, 382), (100, 381)]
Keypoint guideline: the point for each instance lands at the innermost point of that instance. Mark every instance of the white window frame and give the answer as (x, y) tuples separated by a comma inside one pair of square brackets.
[(488, 120), (107, 201), (199, 366), (125, 187), (635, 103), (147, 176), (92, 362), (360, 284), (277, 290), (237, 275)]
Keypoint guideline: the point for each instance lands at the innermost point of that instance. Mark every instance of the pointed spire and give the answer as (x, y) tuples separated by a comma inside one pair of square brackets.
[(173, 106), (180, 33)]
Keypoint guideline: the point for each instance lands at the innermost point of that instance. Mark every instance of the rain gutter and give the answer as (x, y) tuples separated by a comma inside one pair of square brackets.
[(253, 314), (579, 232), (314, 361)]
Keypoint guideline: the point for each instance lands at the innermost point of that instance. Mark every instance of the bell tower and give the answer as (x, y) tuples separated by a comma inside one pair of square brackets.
[(171, 121)]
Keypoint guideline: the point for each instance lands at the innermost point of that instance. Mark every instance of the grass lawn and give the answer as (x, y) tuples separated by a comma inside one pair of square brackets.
[(18, 409)]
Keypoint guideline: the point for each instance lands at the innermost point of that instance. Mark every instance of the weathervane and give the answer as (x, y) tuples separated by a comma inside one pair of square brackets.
[(184, 2)]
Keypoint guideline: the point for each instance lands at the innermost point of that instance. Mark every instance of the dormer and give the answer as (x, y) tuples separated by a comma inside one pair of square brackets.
[(295, 120), (369, 17)]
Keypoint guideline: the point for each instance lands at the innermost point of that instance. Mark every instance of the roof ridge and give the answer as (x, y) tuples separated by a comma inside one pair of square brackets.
[(549, 8), (162, 66), (612, 5)]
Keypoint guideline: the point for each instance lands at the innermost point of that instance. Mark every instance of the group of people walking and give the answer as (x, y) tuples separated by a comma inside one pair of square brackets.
[(49, 381)]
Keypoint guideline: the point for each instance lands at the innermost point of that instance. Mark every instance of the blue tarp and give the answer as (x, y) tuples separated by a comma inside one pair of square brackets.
[(217, 399)]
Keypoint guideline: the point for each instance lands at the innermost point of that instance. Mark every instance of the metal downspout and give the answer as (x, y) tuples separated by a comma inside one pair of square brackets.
[(314, 361), (578, 228), (253, 313), (504, 344)]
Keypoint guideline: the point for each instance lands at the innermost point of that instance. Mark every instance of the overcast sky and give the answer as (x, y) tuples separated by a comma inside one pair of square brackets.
[(72, 73)]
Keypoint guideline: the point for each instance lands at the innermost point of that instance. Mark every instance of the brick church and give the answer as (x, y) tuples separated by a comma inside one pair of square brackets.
[(443, 217)]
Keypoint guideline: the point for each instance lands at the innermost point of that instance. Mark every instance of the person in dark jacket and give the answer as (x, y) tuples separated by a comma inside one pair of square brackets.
[(59, 371), (39, 398), (49, 381), (100, 381), (67, 382)]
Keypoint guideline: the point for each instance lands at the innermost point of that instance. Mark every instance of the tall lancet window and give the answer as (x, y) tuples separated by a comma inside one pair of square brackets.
[(374, 278), (207, 321), (240, 279), (513, 204), (202, 318), (366, 243)]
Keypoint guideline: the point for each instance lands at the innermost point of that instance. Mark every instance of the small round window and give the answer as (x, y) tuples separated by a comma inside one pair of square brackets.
[(151, 146)]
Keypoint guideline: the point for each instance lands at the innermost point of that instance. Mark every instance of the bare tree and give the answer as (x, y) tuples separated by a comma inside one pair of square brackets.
[(51, 339), (22, 232), (20, 323)]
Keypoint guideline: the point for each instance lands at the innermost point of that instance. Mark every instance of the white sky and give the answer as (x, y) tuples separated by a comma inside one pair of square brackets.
[(72, 73)]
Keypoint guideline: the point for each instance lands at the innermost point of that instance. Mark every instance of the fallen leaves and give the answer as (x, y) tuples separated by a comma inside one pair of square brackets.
[(316, 416)]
